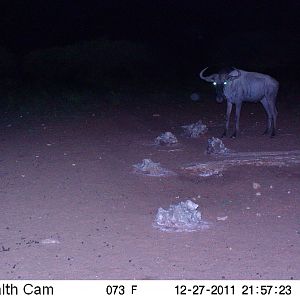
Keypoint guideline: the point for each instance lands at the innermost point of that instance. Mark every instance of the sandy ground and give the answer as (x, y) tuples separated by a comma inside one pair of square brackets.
[(71, 207)]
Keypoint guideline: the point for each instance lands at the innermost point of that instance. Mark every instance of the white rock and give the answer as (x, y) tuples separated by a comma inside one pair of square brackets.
[(256, 185), (167, 138), (50, 241)]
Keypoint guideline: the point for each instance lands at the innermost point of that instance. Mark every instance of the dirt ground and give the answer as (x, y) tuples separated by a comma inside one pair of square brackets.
[(72, 208)]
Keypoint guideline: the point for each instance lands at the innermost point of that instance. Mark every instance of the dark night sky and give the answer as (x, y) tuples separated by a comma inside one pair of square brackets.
[(35, 23), (186, 27)]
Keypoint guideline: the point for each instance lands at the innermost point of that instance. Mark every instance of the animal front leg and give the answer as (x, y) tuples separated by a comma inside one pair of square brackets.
[(237, 119), (228, 112)]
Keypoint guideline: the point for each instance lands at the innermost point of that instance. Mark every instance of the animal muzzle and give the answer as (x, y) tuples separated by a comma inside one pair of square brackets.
[(220, 99), (220, 93)]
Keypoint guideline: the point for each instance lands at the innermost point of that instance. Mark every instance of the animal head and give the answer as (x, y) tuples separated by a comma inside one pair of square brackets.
[(221, 80)]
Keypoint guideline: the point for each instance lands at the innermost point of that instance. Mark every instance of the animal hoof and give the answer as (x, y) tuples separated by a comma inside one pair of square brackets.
[(266, 131), (223, 135)]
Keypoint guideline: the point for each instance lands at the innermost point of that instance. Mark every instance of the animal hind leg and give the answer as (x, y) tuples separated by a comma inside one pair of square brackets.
[(274, 117), (270, 126)]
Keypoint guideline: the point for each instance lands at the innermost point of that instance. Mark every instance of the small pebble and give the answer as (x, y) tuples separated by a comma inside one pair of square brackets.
[(222, 218), (50, 241), (256, 185)]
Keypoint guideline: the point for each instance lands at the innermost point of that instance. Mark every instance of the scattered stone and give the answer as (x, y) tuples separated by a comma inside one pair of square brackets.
[(204, 170), (208, 173), (166, 139), (195, 129), (149, 168), (233, 159), (179, 218), (216, 146)]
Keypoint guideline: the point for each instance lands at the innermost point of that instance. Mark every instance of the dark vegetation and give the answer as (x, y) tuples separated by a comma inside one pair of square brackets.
[(89, 75), (73, 77)]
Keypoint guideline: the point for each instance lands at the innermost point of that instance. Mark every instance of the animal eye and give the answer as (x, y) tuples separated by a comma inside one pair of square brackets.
[(214, 83), (225, 82)]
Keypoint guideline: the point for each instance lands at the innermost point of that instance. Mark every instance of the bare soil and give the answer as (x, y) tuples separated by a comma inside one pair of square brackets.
[(72, 207)]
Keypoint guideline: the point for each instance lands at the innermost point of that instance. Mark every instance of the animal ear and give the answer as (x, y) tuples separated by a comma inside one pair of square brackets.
[(233, 75), (213, 77)]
